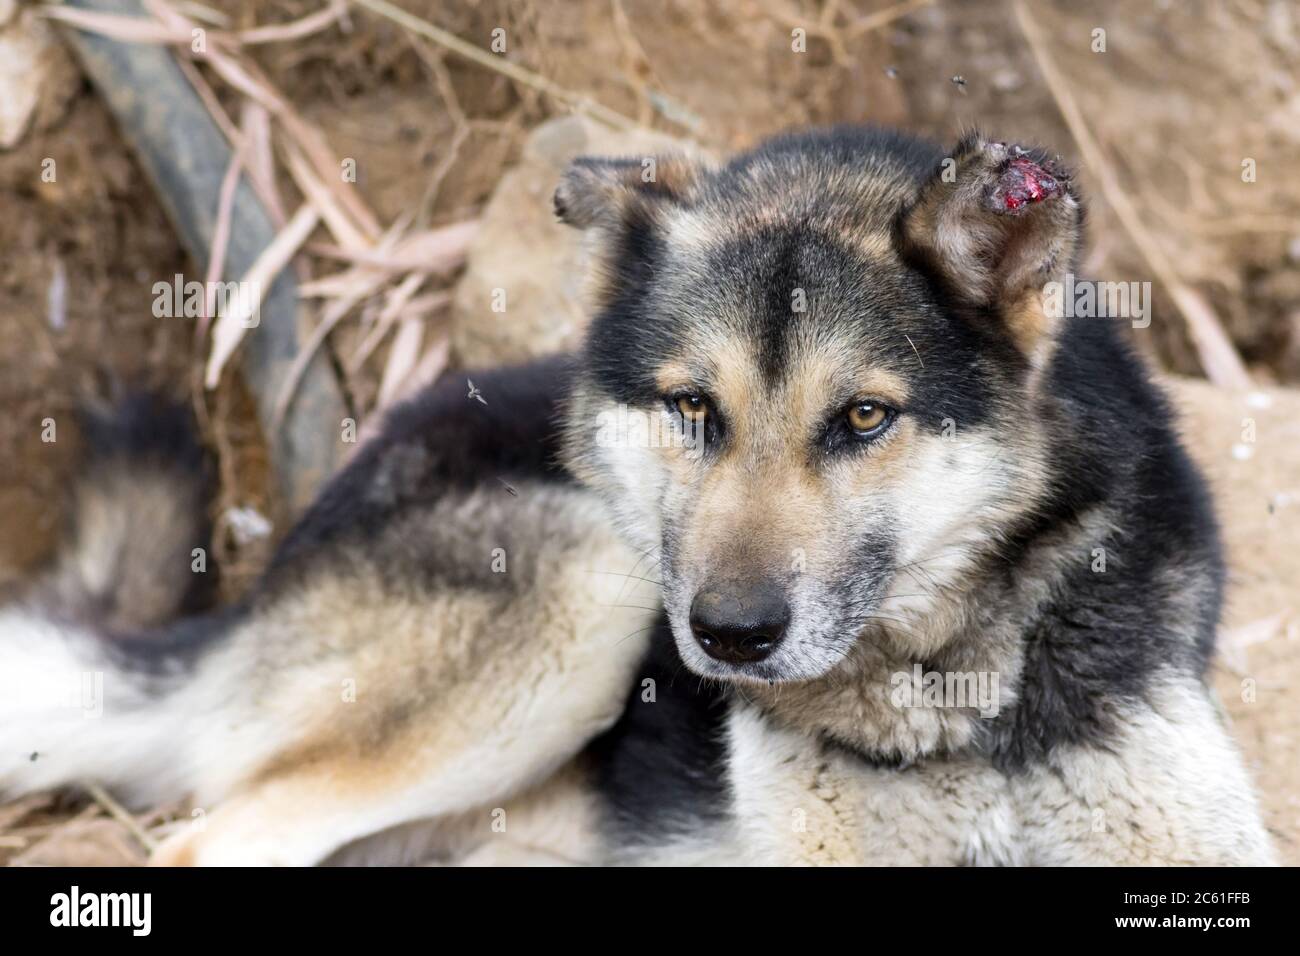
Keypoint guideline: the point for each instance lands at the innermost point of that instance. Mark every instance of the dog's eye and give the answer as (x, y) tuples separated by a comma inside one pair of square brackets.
[(866, 418), (693, 407)]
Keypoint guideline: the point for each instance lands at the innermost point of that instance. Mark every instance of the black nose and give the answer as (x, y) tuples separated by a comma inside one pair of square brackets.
[(738, 627)]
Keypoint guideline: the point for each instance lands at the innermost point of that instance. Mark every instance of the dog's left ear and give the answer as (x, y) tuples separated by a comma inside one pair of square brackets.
[(996, 223), (600, 192), (622, 205)]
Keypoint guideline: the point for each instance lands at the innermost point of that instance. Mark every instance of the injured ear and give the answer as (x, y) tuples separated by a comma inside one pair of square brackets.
[(996, 223)]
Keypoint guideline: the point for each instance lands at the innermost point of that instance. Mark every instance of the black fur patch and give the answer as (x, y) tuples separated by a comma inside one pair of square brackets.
[(147, 431), (176, 648), (845, 146), (660, 770), (443, 440), (143, 427), (1104, 635)]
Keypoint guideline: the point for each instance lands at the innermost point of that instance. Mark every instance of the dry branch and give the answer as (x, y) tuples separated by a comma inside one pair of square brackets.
[(1222, 364), (499, 64)]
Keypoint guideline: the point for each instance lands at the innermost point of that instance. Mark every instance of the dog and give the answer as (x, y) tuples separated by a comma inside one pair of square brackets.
[(832, 546)]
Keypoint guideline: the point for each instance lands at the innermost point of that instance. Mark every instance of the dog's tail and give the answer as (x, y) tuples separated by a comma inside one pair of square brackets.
[(92, 677)]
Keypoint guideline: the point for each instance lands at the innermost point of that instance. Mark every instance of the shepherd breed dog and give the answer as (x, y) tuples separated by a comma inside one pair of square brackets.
[(832, 546)]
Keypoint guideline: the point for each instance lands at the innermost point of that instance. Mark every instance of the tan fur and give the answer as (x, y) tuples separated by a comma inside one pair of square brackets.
[(460, 697), (764, 499), (133, 533), (1030, 325)]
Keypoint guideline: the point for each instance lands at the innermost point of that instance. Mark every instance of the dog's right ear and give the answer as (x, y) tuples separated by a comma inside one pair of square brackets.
[(601, 192), (995, 223)]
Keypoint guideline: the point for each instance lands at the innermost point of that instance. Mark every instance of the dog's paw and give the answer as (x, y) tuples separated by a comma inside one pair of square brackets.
[(220, 843), (179, 849)]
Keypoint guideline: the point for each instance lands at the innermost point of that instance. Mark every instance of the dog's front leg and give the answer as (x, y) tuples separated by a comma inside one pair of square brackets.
[(302, 818), (295, 819)]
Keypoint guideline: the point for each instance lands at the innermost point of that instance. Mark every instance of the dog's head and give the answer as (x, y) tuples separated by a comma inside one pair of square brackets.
[(805, 382)]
